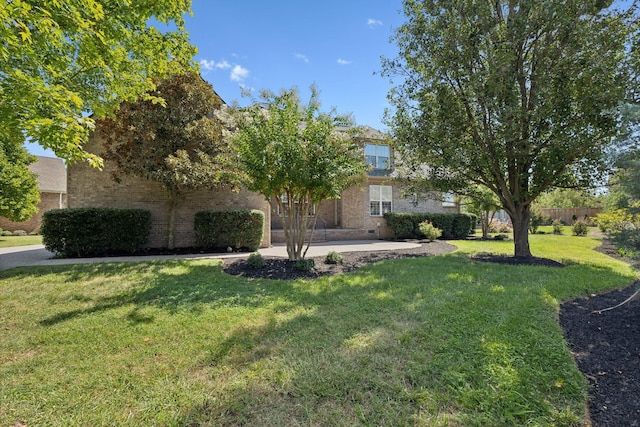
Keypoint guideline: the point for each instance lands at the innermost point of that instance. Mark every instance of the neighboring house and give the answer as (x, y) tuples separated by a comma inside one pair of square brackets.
[(52, 183), (358, 214)]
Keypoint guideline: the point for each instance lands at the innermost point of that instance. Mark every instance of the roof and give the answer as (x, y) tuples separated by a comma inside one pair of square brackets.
[(51, 173)]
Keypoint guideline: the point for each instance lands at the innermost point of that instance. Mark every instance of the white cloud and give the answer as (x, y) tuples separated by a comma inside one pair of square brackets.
[(373, 23), (302, 58), (213, 65), (239, 73), (343, 61)]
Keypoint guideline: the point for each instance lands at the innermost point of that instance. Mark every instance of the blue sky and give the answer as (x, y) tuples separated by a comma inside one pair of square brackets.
[(281, 44)]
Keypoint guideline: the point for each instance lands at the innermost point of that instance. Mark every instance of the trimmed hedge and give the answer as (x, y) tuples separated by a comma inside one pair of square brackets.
[(237, 229), (405, 225), (83, 232)]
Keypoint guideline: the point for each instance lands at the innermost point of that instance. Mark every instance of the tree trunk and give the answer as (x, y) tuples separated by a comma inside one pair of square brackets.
[(485, 225), (520, 222), (172, 218)]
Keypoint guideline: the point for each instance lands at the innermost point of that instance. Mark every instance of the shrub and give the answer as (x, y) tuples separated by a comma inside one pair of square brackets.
[(429, 231), (557, 226), (256, 261), (237, 229), (333, 257), (500, 237), (536, 219), (20, 233), (406, 225), (304, 264), (81, 232), (580, 228), (6, 233)]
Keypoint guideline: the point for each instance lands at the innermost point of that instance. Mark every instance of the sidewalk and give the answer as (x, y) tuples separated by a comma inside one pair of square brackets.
[(36, 255)]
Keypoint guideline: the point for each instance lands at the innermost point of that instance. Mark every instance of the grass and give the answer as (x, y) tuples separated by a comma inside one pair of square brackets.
[(439, 341), (10, 241)]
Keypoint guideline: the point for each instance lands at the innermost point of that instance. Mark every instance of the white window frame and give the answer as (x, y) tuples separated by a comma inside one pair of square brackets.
[(375, 151), (380, 199), (449, 200), (283, 199)]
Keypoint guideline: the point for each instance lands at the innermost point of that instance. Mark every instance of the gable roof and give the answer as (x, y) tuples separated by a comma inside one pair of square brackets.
[(51, 173)]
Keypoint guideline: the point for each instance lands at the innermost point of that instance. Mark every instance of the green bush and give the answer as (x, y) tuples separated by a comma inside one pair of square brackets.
[(82, 232), (500, 237), (6, 233), (429, 231), (406, 225), (536, 219), (21, 233), (557, 227), (237, 229), (580, 228), (333, 257), (256, 261), (304, 264)]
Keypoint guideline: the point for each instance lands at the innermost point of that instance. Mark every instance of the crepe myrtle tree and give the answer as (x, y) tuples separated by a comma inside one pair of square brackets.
[(296, 156), (515, 96), (179, 145), (64, 63)]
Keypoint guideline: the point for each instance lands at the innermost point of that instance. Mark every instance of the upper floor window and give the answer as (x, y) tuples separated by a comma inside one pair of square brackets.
[(378, 156), (449, 200)]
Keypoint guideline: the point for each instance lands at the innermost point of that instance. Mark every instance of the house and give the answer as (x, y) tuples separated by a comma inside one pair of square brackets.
[(52, 182), (358, 214)]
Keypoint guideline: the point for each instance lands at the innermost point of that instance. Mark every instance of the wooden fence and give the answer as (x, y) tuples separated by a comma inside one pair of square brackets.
[(569, 215)]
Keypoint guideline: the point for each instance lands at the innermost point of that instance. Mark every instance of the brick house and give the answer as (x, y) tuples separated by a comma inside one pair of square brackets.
[(52, 182), (358, 214)]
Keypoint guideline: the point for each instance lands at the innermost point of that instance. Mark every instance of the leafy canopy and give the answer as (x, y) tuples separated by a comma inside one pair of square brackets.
[(517, 96), (19, 194), (63, 61)]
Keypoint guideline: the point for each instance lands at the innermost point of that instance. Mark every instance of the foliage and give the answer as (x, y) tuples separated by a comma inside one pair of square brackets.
[(499, 227), (62, 59), (20, 233), (255, 260), (333, 257), (85, 232), (304, 264), (517, 97), (429, 231), (19, 193), (405, 225), (237, 229), (177, 144), (296, 157), (623, 227), (580, 228), (566, 198), (557, 227), (484, 203), (536, 219), (500, 237), (425, 341)]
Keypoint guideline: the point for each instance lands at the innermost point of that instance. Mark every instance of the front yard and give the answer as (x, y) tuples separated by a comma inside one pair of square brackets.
[(423, 341)]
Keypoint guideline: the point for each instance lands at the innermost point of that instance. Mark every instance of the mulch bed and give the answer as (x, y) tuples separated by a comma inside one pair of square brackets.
[(606, 345)]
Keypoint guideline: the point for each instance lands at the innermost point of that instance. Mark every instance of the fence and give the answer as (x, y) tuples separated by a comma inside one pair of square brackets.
[(569, 215)]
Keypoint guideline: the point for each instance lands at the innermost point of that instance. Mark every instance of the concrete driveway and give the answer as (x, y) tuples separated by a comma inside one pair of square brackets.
[(34, 255)]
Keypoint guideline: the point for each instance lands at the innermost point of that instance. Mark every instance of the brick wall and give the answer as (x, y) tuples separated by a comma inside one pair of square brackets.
[(47, 201), (90, 187)]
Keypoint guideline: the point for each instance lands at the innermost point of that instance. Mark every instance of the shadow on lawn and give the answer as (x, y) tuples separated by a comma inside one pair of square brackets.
[(391, 343)]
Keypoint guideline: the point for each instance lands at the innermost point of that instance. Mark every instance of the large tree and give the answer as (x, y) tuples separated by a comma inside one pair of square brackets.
[(296, 156), (517, 96), (179, 145), (19, 194), (64, 62)]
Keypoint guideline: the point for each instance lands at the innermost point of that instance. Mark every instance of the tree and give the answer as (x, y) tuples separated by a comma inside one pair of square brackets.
[(65, 62), (484, 203), (295, 156), (516, 96), (567, 198), (179, 145), (19, 193)]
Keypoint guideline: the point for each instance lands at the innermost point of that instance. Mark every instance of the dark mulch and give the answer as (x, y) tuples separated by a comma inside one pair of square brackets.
[(283, 269), (606, 346)]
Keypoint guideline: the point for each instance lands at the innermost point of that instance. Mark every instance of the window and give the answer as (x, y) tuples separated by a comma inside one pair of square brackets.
[(448, 200), (296, 211), (377, 156), (379, 199)]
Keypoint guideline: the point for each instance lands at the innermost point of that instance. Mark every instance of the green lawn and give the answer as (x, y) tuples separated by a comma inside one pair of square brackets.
[(433, 341), (9, 241)]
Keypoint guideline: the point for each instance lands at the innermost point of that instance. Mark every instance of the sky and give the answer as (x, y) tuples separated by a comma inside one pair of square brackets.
[(336, 45)]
